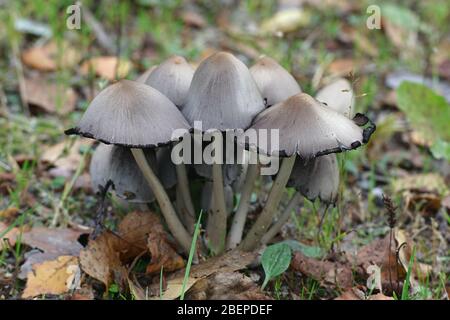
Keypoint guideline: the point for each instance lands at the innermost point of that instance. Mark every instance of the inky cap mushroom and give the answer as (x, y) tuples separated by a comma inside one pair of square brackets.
[(275, 83), (131, 114), (117, 164), (316, 178), (339, 97), (172, 78), (310, 129), (223, 94)]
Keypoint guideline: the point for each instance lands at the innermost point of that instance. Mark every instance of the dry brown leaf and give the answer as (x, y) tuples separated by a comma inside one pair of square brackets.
[(328, 273), (52, 277), (134, 231), (49, 97), (226, 286), (356, 293), (51, 243), (229, 262), (423, 192), (65, 157), (106, 67), (45, 57), (343, 67), (100, 259), (9, 214), (193, 19)]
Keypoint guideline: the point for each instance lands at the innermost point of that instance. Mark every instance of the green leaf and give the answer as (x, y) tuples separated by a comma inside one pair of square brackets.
[(275, 260), (441, 150), (309, 251), (427, 111), (400, 16)]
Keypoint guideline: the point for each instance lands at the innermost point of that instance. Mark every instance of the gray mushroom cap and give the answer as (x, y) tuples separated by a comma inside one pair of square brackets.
[(275, 83), (172, 78), (338, 96), (117, 164), (316, 178), (131, 114), (223, 94), (309, 129)]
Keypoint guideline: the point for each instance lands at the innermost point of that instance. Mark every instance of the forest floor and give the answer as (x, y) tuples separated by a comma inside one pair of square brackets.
[(49, 74)]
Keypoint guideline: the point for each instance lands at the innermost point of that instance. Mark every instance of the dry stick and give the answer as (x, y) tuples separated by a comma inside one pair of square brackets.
[(284, 217), (104, 40), (237, 226), (188, 215), (253, 238), (169, 213), (217, 219)]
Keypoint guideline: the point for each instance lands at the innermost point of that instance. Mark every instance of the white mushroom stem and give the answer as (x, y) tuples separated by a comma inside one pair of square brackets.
[(173, 222), (259, 228), (237, 226), (189, 213), (217, 219), (282, 219)]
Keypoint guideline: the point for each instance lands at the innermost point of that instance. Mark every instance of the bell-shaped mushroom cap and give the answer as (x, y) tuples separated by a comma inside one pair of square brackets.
[(316, 178), (275, 83), (223, 94), (338, 96), (172, 78), (131, 114), (143, 77), (117, 164), (309, 129)]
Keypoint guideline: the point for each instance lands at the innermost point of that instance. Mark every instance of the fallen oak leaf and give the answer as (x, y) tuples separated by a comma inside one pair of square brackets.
[(51, 277)]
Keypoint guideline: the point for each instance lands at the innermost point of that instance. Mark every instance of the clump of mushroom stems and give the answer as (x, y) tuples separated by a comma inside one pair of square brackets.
[(167, 209)]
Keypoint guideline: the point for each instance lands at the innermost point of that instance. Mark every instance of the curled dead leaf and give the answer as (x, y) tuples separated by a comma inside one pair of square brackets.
[(328, 273)]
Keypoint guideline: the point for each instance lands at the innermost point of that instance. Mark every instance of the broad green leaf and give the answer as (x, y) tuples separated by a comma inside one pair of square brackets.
[(275, 260), (309, 251), (400, 16), (441, 150), (427, 112)]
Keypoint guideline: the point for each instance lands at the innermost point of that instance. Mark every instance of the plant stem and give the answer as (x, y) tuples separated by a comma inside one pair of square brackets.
[(217, 218), (283, 218), (237, 226), (252, 240), (173, 222), (188, 215)]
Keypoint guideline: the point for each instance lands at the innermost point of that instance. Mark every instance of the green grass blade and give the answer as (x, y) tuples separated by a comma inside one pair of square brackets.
[(191, 256)]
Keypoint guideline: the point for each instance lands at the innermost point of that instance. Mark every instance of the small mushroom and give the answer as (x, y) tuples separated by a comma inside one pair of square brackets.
[(134, 115), (223, 94), (308, 129), (117, 164), (172, 78), (275, 83), (316, 178), (338, 96)]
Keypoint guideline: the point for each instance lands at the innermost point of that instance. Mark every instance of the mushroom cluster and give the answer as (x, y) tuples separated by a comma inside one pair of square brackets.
[(141, 125)]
